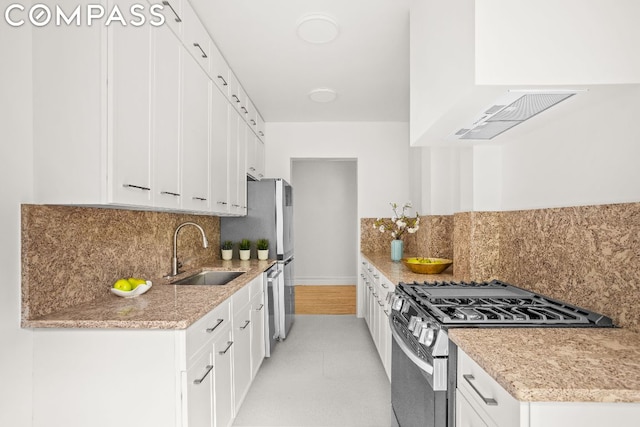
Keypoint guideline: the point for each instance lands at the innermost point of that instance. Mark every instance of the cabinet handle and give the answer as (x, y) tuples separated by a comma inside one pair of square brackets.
[(375, 276), (246, 323), (199, 380), (379, 303), (253, 122), (209, 330), (199, 198), (139, 187), (260, 308), (261, 133), (487, 400), (252, 169), (244, 109), (236, 98), (222, 203), (236, 206), (166, 3), (224, 82), (229, 344), (260, 175), (170, 193), (384, 286), (204, 54)]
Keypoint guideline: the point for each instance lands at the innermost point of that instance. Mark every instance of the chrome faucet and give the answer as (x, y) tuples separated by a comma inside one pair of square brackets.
[(174, 261)]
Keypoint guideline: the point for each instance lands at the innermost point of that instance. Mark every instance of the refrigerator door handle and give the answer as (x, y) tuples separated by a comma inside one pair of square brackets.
[(288, 260)]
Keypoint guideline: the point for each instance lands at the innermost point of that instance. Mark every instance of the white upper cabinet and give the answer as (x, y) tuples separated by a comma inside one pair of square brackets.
[(219, 156), (166, 132), (195, 38), (129, 115), (129, 119)]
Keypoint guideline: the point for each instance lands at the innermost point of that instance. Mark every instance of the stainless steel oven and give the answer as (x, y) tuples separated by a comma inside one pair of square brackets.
[(423, 360)]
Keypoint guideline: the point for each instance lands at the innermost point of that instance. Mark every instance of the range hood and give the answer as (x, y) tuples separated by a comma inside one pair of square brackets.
[(510, 110)]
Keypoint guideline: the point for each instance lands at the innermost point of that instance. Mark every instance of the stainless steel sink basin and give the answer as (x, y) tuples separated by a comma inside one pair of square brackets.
[(209, 278)]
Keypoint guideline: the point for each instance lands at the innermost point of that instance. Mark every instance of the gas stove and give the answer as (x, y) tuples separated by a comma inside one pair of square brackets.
[(424, 311), (423, 361)]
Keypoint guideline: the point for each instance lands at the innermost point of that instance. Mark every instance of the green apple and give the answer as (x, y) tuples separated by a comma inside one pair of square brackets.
[(123, 285), (135, 282)]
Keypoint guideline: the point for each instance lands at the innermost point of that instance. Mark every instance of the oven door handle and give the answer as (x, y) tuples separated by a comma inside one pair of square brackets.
[(421, 364)]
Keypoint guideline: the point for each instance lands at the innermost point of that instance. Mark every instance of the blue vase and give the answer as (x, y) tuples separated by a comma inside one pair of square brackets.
[(397, 247)]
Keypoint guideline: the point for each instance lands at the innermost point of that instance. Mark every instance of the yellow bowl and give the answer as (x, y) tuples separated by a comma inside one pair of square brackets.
[(427, 265)]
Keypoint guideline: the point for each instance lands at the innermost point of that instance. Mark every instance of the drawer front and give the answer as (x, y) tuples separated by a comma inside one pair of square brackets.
[(485, 394), (256, 287), (242, 297), (205, 329)]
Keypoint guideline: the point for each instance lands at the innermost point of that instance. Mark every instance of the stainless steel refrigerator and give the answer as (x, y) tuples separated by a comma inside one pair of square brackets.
[(270, 216)]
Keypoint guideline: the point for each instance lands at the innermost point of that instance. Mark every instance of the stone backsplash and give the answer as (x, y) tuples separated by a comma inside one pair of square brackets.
[(72, 255), (586, 255)]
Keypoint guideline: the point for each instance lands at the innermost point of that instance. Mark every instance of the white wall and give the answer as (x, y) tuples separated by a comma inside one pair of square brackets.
[(381, 149), (325, 221), (17, 187), (588, 155)]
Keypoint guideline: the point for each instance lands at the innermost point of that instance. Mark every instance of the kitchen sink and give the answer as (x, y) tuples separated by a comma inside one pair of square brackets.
[(210, 278)]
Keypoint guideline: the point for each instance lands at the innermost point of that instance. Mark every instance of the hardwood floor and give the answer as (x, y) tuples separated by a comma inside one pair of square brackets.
[(325, 299)]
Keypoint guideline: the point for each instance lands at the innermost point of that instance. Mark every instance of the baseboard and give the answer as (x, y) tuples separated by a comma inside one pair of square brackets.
[(325, 299)]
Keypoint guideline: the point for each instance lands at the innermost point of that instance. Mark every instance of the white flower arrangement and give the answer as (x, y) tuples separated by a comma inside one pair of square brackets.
[(399, 224)]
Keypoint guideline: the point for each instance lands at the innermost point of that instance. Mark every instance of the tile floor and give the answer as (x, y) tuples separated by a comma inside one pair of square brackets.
[(326, 373)]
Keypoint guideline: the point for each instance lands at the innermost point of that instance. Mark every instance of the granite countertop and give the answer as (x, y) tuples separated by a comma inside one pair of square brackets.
[(558, 364), (164, 306), (397, 272), (545, 364)]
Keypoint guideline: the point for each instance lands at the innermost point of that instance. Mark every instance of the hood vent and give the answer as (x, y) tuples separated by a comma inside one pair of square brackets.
[(504, 115)]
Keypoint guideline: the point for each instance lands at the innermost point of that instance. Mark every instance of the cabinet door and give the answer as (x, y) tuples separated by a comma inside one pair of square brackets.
[(241, 354), (129, 115), (219, 152), (223, 381), (244, 134), (166, 119), (195, 136), (257, 333), (200, 391), (234, 123), (466, 416)]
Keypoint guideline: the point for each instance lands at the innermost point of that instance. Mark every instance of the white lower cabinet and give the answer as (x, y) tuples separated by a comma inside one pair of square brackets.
[(199, 387), (223, 410), (376, 287), (481, 401), (194, 377)]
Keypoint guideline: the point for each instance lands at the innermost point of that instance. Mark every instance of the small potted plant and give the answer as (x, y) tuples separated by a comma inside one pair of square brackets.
[(245, 249), (227, 250), (262, 245)]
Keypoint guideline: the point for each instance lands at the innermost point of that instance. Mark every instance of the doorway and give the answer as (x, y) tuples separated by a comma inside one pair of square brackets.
[(325, 231)]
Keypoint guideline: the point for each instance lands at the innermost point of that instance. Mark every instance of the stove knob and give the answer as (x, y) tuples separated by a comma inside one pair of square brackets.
[(396, 303), (413, 322), (420, 326), (427, 336)]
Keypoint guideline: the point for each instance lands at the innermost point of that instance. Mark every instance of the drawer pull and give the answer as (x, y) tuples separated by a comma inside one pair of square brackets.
[(384, 286), (224, 82), (202, 199), (229, 344), (253, 122), (139, 187), (204, 55), (169, 193), (487, 400), (236, 98), (166, 3), (222, 203), (246, 323), (199, 380), (261, 133), (260, 308), (244, 109), (209, 330)]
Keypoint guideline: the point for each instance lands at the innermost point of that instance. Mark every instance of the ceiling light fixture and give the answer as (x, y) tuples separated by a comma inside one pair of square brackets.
[(323, 95), (317, 29)]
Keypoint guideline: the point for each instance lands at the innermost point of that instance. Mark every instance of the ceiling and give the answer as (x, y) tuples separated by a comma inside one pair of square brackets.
[(367, 64)]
